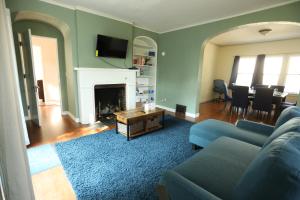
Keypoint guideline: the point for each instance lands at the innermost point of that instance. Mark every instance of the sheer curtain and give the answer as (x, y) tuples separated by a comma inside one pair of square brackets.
[(15, 173)]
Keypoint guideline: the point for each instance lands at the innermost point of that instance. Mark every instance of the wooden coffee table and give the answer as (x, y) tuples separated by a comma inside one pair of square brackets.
[(132, 123)]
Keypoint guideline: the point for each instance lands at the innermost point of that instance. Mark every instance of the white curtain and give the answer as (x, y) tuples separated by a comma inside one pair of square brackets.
[(15, 173)]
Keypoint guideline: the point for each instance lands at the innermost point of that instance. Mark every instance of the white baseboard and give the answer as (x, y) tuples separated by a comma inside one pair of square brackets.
[(71, 116), (173, 110)]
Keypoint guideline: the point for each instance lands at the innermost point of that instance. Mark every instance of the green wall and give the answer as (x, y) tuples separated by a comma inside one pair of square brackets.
[(179, 70), (84, 28), (41, 29), (87, 38)]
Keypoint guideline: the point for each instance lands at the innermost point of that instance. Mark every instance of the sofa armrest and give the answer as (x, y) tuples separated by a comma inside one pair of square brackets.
[(255, 127), (178, 187)]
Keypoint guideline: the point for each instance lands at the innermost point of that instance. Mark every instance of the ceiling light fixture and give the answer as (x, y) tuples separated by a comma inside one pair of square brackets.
[(265, 31)]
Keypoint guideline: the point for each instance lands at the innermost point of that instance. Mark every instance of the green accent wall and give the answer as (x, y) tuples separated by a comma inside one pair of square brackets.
[(87, 39), (84, 28), (41, 29), (179, 70)]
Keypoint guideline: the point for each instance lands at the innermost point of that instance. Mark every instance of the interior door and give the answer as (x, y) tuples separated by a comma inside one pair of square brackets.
[(29, 76)]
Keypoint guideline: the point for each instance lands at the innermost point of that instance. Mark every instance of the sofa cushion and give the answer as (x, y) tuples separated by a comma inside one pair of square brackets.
[(274, 173), (293, 125), (205, 132), (286, 115), (218, 167)]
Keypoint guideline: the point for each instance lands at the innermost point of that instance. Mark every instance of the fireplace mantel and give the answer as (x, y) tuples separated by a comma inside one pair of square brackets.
[(87, 78)]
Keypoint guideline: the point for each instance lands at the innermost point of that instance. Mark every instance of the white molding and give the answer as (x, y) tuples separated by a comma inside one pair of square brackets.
[(71, 116), (166, 108), (228, 17), (192, 115), (102, 14), (87, 78), (100, 68), (59, 4)]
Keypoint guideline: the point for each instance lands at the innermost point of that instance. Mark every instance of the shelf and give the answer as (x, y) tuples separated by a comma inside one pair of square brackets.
[(145, 95), (144, 56), (136, 65), (143, 76), (143, 46), (145, 85)]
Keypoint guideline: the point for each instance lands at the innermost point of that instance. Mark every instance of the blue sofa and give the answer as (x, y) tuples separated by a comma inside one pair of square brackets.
[(246, 161)]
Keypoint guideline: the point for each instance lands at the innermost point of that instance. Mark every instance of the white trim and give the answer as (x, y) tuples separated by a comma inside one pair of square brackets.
[(193, 115), (228, 17), (71, 116), (99, 68), (91, 11), (166, 108), (59, 4)]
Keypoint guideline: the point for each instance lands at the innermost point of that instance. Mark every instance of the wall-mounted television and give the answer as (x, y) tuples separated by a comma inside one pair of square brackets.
[(111, 47)]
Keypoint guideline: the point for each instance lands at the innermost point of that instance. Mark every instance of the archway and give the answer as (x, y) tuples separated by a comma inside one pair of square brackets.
[(145, 59), (202, 66), (66, 32)]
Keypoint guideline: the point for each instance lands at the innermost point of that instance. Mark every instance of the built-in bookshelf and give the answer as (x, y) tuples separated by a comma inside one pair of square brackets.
[(145, 59)]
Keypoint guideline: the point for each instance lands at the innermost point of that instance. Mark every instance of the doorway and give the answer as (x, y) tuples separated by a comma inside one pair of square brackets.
[(46, 69)]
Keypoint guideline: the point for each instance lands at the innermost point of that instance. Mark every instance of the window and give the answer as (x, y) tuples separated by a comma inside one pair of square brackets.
[(272, 69), (292, 82), (245, 71)]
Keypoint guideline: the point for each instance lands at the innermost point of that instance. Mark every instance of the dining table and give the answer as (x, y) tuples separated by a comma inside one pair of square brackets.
[(277, 99)]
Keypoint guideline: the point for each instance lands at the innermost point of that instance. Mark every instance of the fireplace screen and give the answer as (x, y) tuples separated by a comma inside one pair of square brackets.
[(109, 99)]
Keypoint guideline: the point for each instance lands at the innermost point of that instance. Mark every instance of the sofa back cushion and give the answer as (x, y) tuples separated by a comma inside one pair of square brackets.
[(293, 125), (287, 114), (274, 173)]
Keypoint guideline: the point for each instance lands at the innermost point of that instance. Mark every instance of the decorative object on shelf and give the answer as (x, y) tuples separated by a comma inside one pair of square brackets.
[(151, 53), (144, 58), (149, 106)]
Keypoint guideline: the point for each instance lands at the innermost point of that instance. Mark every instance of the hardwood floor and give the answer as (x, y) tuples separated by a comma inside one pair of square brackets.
[(53, 183), (57, 128), (213, 110)]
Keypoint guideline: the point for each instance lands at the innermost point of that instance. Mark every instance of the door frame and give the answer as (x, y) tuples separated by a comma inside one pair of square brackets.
[(58, 66)]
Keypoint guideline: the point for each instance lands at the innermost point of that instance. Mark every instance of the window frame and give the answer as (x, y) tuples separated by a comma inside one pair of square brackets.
[(286, 73)]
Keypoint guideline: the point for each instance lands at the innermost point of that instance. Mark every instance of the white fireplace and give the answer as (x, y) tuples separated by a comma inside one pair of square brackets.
[(87, 78)]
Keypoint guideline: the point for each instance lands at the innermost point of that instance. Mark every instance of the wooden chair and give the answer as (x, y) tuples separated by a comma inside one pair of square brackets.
[(262, 101), (240, 99)]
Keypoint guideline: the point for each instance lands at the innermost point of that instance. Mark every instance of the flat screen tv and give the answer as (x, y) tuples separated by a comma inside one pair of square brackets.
[(111, 47)]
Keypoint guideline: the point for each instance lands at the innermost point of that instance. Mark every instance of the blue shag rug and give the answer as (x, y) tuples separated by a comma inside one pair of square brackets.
[(107, 166), (42, 158)]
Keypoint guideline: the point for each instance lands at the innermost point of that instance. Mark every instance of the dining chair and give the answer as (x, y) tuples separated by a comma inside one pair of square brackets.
[(260, 86), (280, 88), (262, 101), (240, 99), (220, 87)]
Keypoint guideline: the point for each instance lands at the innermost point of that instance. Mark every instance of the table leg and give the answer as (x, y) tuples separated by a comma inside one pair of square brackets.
[(128, 126), (117, 131)]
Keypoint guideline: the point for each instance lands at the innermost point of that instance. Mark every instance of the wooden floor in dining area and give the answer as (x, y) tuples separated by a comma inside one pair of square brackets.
[(53, 183), (217, 110)]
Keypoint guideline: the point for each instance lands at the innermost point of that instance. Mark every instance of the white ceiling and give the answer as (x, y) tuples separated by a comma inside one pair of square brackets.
[(166, 15), (249, 34)]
